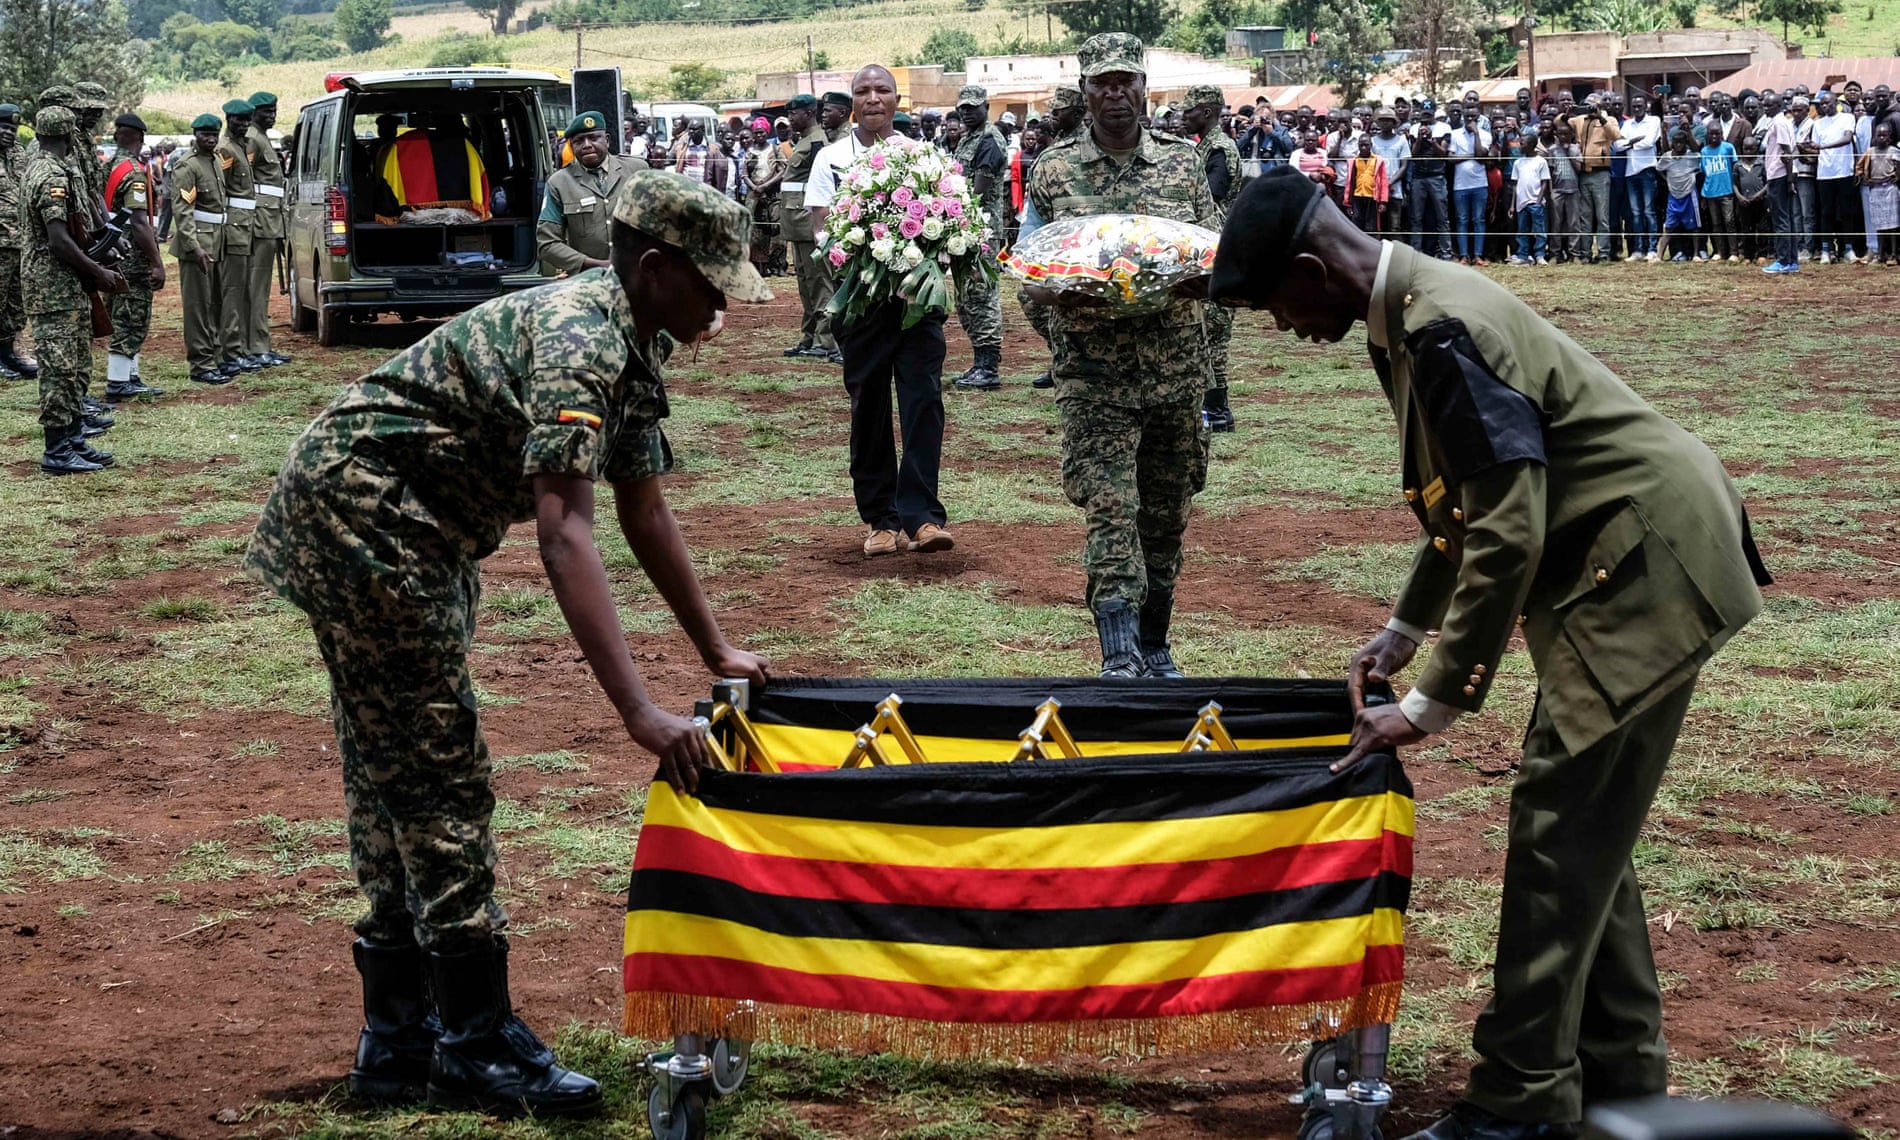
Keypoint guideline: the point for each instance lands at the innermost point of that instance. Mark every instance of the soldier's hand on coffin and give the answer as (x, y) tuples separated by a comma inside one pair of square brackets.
[(1194, 288), (1062, 299), (679, 744), (1376, 663), (1378, 729), (727, 660)]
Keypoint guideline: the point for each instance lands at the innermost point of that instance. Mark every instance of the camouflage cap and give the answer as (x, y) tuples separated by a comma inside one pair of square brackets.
[(972, 95), (207, 121), (802, 103), (262, 99), (54, 122), (58, 95), (1066, 97), (709, 228), (238, 107), (90, 97), (1109, 52), (586, 121), (1201, 94)]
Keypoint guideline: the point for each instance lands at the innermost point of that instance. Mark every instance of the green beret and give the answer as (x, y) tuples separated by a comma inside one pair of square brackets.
[(9, 110), (837, 99), (262, 99), (801, 103), (901, 119), (238, 107), (206, 120), (53, 122), (587, 121)]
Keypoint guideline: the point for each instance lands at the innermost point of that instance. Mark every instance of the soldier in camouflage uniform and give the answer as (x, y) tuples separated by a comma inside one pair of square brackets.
[(376, 528), (89, 106), (1064, 122), (1220, 158), (267, 227), (984, 154), (129, 188), (13, 162), (1134, 447), (57, 274)]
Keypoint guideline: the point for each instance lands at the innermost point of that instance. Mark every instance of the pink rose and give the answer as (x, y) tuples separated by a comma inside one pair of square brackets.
[(878, 197), (901, 196), (937, 205), (957, 166), (855, 209), (878, 162), (953, 207), (917, 211), (836, 256), (880, 231), (910, 227)]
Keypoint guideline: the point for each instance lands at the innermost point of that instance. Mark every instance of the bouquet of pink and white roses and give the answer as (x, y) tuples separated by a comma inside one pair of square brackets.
[(905, 224)]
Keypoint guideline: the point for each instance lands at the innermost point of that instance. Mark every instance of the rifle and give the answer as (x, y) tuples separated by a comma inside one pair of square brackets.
[(106, 249)]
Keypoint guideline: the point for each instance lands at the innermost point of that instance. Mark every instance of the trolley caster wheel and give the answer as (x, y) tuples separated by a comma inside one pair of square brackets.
[(1318, 1125), (731, 1060), (688, 1118), (1321, 1066)]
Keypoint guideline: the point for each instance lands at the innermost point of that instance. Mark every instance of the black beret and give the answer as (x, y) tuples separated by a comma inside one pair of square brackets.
[(130, 120), (1263, 228)]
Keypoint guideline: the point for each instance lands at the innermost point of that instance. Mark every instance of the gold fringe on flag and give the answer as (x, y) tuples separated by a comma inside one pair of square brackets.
[(660, 1016)]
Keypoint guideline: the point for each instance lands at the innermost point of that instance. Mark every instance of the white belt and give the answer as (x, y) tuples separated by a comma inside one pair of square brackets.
[(792, 187), (242, 203), (207, 216), (271, 191)]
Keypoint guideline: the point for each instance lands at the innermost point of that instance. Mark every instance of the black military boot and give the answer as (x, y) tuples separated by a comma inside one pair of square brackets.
[(1118, 626), (92, 427), (484, 1062), (61, 456), (984, 375), (400, 1026), (13, 362), (1156, 611), (1046, 380), (1219, 416), (91, 454)]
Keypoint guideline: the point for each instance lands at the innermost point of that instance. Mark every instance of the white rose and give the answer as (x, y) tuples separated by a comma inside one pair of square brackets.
[(958, 245), (856, 236), (933, 229), (881, 249), (912, 254)]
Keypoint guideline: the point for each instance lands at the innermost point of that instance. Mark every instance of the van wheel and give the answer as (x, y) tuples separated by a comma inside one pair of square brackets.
[(301, 319), (329, 325)]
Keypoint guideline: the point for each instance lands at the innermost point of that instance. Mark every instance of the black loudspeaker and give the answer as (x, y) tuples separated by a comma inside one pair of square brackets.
[(1665, 1118), (598, 89)]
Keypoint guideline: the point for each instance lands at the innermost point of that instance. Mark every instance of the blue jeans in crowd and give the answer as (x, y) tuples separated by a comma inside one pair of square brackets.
[(1467, 224), (1643, 220), (1781, 213), (1531, 234), (1431, 234)]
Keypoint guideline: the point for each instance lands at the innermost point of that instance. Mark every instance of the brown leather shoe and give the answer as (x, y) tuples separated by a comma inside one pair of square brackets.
[(881, 542), (931, 538)]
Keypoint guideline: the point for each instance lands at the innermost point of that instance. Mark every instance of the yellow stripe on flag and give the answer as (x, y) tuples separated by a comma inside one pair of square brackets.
[(1291, 945), (1076, 845), (827, 747)]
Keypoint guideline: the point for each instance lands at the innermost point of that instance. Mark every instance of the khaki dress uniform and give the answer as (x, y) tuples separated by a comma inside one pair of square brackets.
[(235, 299), (199, 221), (577, 217), (815, 284), (1554, 498), (267, 236)]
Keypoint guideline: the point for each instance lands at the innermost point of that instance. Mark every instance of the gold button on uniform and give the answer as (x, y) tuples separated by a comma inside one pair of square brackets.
[(1470, 691), (1479, 670), (1440, 543), (1475, 679), (1458, 513), (1408, 300), (1411, 495), (1602, 574)]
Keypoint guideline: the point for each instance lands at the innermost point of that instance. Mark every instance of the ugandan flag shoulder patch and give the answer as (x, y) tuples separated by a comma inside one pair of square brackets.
[(577, 416)]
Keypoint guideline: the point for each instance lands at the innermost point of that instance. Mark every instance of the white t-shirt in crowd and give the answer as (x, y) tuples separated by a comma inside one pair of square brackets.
[(1834, 161), (836, 158), (1467, 150), (1532, 174)]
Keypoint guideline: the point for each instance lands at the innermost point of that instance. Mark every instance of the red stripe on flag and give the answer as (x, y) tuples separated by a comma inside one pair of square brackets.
[(738, 980), (668, 848)]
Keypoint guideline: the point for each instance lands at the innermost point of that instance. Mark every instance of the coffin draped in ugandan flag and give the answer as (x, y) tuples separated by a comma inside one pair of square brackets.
[(1156, 903)]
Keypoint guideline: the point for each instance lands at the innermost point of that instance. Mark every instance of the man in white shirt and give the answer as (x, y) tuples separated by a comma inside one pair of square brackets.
[(898, 501), (1470, 142), (1834, 189), (1640, 134)]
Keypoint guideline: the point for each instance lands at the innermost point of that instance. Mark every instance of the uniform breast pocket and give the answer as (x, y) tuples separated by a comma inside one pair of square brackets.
[(584, 205), (1632, 613)]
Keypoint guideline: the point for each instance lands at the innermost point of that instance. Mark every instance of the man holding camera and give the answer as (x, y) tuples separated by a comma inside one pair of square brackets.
[(1595, 132)]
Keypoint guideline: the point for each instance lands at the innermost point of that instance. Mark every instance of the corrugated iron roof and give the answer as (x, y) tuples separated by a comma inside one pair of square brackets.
[(1779, 73)]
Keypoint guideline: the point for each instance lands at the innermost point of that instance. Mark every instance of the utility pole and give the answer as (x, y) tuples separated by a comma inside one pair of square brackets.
[(1049, 23), (577, 43), (811, 68), (1530, 48)]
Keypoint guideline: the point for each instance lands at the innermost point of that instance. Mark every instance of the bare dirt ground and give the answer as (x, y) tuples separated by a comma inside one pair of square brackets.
[(143, 1002)]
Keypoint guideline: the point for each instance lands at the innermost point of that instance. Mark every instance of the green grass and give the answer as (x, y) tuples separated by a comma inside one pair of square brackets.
[(48, 857)]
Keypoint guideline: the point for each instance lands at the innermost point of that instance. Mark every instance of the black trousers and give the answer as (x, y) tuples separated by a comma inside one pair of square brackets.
[(879, 355), (1837, 202)]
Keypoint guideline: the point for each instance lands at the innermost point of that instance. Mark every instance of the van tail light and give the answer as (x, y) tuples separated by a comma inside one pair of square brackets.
[(337, 215)]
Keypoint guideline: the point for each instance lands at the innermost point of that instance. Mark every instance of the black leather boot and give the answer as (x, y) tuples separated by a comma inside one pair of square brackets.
[(12, 361), (400, 1026), (91, 454), (1219, 416), (1156, 612), (61, 456), (1117, 624), (985, 375), (1046, 380), (484, 1062)]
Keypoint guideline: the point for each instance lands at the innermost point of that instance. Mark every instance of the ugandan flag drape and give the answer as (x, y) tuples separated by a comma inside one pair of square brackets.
[(1154, 904), (425, 169), (807, 722)]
